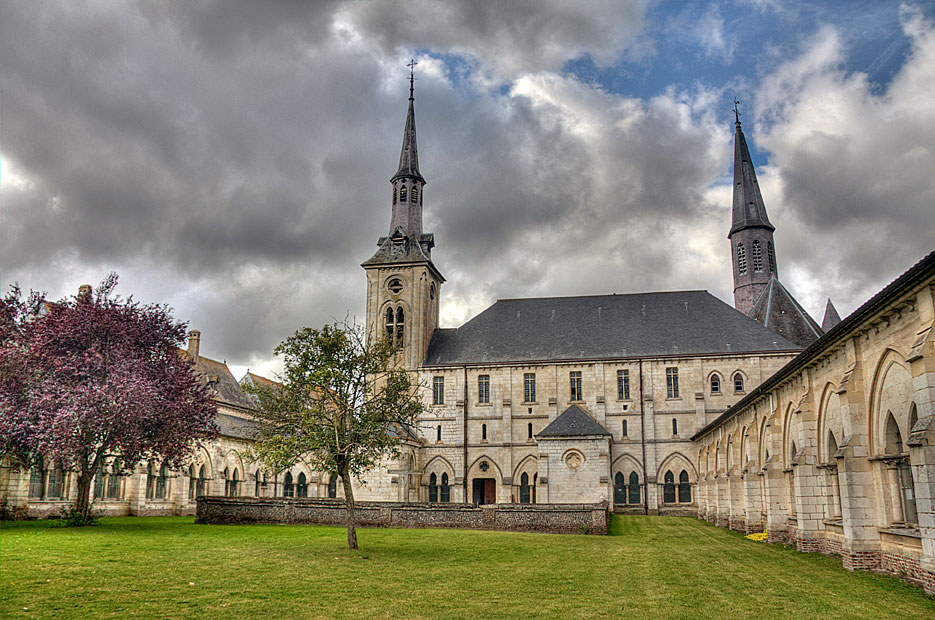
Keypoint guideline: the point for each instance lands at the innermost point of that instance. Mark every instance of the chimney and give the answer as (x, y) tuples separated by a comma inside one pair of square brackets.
[(84, 291), (194, 342)]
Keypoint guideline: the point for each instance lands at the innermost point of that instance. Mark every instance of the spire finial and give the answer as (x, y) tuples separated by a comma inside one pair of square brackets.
[(411, 64), (736, 111)]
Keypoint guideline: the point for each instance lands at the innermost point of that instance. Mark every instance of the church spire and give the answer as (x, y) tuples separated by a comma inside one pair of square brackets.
[(751, 234), (748, 209), (409, 155)]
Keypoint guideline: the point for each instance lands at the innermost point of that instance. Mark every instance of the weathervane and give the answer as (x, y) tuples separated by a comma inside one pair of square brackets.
[(736, 111), (411, 64)]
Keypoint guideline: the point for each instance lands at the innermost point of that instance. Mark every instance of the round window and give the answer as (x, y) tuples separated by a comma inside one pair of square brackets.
[(395, 286)]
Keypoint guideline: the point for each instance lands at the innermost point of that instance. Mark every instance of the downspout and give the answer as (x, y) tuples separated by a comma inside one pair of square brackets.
[(643, 443), (464, 395)]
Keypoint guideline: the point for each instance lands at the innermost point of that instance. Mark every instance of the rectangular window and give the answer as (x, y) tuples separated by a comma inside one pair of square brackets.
[(624, 428), (438, 390), (575, 379), (623, 385), (672, 382), (529, 387), (483, 389)]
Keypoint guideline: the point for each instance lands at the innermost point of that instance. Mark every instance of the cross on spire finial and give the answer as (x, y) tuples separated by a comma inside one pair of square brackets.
[(411, 64), (736, 111)]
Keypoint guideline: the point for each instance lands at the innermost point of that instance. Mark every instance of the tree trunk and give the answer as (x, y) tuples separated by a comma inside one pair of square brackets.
[(351, 517), (82, 508)]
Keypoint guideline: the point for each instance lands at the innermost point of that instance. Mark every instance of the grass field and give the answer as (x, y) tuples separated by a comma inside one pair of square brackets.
[(651, 567)]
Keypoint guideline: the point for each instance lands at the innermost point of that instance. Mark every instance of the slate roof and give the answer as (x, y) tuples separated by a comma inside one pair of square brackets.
[(573, 422), (228, 390), (402, 248), (748, 208), (232, 426), (831, 318), (778, 310), (601, 327), (409, 154)]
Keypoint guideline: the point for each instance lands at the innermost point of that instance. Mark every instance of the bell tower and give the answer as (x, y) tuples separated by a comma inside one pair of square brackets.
[(751, 233), (403, 284)]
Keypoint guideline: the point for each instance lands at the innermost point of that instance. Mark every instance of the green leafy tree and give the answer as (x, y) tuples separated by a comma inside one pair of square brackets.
[(342, 406)]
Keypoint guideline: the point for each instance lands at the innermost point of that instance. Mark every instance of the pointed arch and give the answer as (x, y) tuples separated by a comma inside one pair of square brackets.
[(891, 392), (677, 462), (830, 420)]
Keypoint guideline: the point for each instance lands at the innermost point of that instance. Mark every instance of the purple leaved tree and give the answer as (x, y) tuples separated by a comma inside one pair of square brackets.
[(94, 377)]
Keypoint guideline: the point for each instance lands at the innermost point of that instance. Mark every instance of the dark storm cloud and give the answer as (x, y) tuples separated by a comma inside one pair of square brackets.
[(233, 158)]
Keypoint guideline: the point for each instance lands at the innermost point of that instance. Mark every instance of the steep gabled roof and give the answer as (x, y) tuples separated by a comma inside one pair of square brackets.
[(573, 422), (233, 426), (778, 310), (220, 378), (601, 327)]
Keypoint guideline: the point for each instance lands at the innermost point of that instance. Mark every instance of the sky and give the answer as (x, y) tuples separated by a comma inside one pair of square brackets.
[(232, 159)]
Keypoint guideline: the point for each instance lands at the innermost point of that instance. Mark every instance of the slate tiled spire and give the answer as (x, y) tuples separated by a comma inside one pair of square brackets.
[(408, 181), (751, 233), (749, 210)]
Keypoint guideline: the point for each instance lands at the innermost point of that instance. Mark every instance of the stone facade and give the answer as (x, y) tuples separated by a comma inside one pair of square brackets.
[(836, 452)]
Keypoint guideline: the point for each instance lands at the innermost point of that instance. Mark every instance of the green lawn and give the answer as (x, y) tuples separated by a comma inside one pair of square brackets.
[(651, 567)]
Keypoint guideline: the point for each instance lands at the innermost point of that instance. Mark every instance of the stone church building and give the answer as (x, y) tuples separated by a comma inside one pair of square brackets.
[(753, 416)]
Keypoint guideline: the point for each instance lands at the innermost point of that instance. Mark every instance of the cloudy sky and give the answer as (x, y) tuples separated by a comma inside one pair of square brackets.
[(232, 159)]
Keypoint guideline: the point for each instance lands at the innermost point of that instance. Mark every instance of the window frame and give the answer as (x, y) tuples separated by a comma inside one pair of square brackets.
[(529, 387), (623, 384), (438, 390), (672, 382), (575, 381), (483, 389)]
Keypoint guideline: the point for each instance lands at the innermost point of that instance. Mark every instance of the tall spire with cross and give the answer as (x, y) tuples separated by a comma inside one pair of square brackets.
[(403, 284)]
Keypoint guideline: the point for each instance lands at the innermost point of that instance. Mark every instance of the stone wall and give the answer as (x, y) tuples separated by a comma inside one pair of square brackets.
[(548, 518)]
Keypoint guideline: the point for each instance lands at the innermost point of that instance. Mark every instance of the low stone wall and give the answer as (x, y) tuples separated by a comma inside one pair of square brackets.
[(550, 518)]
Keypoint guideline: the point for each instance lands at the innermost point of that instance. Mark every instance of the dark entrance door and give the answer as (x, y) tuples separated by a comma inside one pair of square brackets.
[(484, 491)]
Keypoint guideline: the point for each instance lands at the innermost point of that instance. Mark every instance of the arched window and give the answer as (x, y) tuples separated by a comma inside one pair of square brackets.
[(161, 483), (395, 322), (483, 432), (675, 426), (202, 482), (524, 488), (620, 489), (258, 483), (738, 382), (333, 486), (433, 488), (668, 488), (685, 488), (301, 487), (402, 194), (529, 430), (414, 197), (192, 481), (898, 471), (757, 256), (715, 384), (446, 490), (288, 488), (633, 489), (771, 256), (235, 483), (150, 481), (741, 259), (37, 479), (394, 195), (438, 433)]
